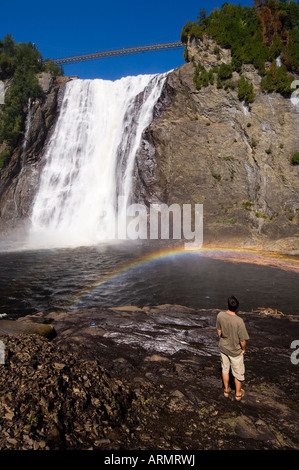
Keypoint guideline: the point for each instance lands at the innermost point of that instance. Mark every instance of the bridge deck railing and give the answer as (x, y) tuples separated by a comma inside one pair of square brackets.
[(116, 52)]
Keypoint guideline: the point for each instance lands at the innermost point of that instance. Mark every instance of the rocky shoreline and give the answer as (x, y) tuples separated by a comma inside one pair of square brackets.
[(128, 378)]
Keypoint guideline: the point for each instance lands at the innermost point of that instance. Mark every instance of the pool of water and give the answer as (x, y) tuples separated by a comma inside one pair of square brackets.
[(66, 279)]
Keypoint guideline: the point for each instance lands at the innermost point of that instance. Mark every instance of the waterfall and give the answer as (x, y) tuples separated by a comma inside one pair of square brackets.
[(27, 125), (90, 159)]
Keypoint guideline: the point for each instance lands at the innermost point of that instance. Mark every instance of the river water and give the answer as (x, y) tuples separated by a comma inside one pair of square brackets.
[(66, 279)]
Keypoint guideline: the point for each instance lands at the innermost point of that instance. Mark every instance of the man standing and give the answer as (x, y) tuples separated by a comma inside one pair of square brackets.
[(232, 335)]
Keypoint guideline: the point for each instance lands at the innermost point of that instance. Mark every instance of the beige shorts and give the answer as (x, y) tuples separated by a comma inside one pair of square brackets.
[(235, 363)]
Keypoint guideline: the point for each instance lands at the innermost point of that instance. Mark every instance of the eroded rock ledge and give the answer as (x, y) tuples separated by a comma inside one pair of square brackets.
[(131, 378)]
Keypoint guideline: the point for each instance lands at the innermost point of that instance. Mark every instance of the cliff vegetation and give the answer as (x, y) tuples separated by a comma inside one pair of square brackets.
[(227, 135), (265, 35), (20, 64)]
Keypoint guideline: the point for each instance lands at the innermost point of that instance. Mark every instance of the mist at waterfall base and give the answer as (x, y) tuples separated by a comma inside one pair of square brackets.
[(66, 262)]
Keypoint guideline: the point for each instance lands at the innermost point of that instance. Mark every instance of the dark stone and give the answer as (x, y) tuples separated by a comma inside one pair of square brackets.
[(163, 389), (11, 327)]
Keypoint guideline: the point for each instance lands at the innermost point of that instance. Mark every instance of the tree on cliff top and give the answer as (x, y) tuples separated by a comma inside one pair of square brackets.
[(253, 34), (20, 62)]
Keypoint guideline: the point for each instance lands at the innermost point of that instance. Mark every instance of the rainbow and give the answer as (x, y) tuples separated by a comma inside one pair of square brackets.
[(226, 254)]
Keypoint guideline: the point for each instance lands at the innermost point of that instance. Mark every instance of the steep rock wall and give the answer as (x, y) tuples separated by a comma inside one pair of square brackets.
[(206, 146)]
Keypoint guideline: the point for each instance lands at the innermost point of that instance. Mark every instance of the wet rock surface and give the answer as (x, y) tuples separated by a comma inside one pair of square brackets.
[(148, 379)]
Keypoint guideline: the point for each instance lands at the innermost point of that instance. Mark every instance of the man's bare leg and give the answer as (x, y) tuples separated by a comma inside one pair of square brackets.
[(239, 391), (225, 378)]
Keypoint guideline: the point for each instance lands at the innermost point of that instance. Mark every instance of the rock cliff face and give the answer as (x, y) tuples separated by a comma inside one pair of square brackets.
[(206, 146), (18, 181)]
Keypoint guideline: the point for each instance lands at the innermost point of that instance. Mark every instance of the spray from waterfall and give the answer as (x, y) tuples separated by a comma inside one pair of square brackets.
[(90, 159)]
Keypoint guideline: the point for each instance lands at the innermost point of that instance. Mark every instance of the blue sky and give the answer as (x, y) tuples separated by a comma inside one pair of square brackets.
[(66, 28)]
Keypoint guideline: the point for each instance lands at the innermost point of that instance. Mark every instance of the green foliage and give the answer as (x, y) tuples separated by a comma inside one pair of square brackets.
[(21, 63), (192, 30), (15, 56), (225, 71), (232, 26), (53, 68), (186, 55), (230, 84), (201, 77), (204, 78), (256, 53), (245, 90), (260, 215), (24, 86), (211, 76), (219, 83), (25, 60), (254, 35), (247, 205), (238, 59), (277, 79), (216, 176), (295, 159), (4, 157), (292, 52), (202, 17), (276, 48), (8, 59)]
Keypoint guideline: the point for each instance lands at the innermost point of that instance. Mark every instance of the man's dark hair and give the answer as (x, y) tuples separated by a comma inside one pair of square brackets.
[(233, 303)]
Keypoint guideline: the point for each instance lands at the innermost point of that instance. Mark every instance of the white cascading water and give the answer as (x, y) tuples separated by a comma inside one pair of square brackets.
[(27, 125), (90, 159)]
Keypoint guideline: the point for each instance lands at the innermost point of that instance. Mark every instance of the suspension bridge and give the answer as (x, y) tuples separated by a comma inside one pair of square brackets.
[(118, 52)]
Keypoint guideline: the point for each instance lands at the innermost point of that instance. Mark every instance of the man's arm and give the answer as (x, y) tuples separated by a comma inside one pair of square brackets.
[(243, 346), (219, 333)]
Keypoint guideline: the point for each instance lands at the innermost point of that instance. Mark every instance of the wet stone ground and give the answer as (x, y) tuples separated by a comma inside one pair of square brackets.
[(164, 362)]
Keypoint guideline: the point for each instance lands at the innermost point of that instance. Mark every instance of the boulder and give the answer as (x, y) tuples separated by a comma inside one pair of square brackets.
[(11, 327)]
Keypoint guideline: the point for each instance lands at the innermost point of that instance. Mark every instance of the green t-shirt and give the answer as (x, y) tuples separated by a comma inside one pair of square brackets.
[(233, 331)]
